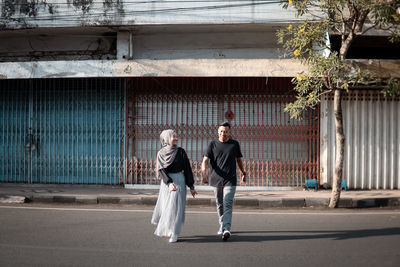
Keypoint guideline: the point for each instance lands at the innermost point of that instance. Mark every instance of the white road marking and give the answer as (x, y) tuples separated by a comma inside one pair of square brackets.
[(254, 212), (78, 249)]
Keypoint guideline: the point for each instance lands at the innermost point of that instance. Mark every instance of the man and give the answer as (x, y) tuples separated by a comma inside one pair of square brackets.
[(223, 154)]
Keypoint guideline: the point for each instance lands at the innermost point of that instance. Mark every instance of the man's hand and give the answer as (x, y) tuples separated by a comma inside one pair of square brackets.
[(243, 178), (204, 174), (204, 170), (241, 168)]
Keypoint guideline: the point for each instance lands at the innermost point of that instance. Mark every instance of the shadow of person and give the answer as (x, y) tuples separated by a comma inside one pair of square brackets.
[(264, 236)]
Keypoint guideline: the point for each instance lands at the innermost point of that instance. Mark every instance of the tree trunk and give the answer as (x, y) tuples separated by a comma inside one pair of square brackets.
[(340, 138)]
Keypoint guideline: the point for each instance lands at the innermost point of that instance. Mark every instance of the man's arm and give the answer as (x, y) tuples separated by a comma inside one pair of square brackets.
[(240, 165), (204, 169)]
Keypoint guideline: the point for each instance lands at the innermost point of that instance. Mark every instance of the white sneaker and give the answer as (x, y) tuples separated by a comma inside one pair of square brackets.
[(220, 230), (173, 239), (226, 235)]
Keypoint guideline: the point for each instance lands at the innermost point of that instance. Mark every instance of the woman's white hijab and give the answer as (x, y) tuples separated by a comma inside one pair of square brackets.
[(167, 153)]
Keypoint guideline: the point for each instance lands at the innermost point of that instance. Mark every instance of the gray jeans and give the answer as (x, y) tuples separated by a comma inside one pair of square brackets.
[(224, 198)]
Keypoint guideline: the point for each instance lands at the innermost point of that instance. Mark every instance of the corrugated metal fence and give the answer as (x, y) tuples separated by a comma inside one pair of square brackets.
[(62, 131), (372, 148)]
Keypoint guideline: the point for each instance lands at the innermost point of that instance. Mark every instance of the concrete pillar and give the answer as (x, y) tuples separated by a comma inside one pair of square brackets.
[(124, 45)]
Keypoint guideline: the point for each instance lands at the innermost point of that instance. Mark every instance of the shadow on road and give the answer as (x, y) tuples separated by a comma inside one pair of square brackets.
[(262, 236)]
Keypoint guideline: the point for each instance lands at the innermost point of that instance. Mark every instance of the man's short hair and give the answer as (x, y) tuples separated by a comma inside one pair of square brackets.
[(225, 124)]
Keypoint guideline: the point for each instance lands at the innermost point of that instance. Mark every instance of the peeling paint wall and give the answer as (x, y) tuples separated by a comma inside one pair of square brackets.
[(56, 69), (146, 67), (57, 44), (20, 14), (241, 41)]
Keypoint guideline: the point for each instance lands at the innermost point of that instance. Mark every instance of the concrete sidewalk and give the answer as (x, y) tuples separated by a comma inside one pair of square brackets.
[(100, 194)]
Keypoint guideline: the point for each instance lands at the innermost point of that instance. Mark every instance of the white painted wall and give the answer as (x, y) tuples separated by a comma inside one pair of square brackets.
[(63, 13), (372, 148)]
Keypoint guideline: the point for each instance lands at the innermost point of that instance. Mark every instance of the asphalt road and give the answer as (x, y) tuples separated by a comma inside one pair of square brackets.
[(67, 235)]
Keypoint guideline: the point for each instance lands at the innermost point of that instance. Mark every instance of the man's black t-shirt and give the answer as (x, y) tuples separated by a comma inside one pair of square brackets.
[(222, 157)]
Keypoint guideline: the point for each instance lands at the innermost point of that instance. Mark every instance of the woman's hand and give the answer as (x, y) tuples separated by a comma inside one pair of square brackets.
[(172, 187), (193, 192)]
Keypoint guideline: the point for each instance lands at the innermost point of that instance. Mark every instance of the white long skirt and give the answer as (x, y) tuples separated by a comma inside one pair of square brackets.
[(169, 212)]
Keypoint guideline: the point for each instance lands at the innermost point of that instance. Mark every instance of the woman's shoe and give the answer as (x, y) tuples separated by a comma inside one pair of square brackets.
[(173, 239)]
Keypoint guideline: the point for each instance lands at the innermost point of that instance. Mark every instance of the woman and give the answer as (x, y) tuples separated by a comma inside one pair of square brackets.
[(174, 168)]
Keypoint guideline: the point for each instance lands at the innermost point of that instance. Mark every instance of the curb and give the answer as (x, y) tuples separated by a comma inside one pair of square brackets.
[(293, 202), (64, 199), (199, 202), (270, 203), (108, 200), (12, 199), (86, 200), (249, 202), (243, 202), (317, 202)]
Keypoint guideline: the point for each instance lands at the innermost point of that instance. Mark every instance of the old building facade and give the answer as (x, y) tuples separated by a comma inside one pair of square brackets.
[(87, 86)]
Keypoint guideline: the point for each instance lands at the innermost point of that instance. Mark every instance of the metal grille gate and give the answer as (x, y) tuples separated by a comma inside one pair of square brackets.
[(62, 131), (278, 151)]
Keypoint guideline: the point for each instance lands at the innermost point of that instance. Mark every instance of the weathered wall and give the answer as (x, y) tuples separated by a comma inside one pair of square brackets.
[(57, 44), (240, 41), (147, 67), (63, 13), (185, 50)]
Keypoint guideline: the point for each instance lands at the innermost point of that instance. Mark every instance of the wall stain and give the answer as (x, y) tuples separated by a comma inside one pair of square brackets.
[(8, 9), (51, 8), (29, 8), (60, 75), (110, 5), (84, 5), (25, 7), (15, 14)]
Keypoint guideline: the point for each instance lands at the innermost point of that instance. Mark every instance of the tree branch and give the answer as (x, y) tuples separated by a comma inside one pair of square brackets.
[(360, 21), (316, 16), (326, 83), (343, 32), (368, 29), (325, 92)]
